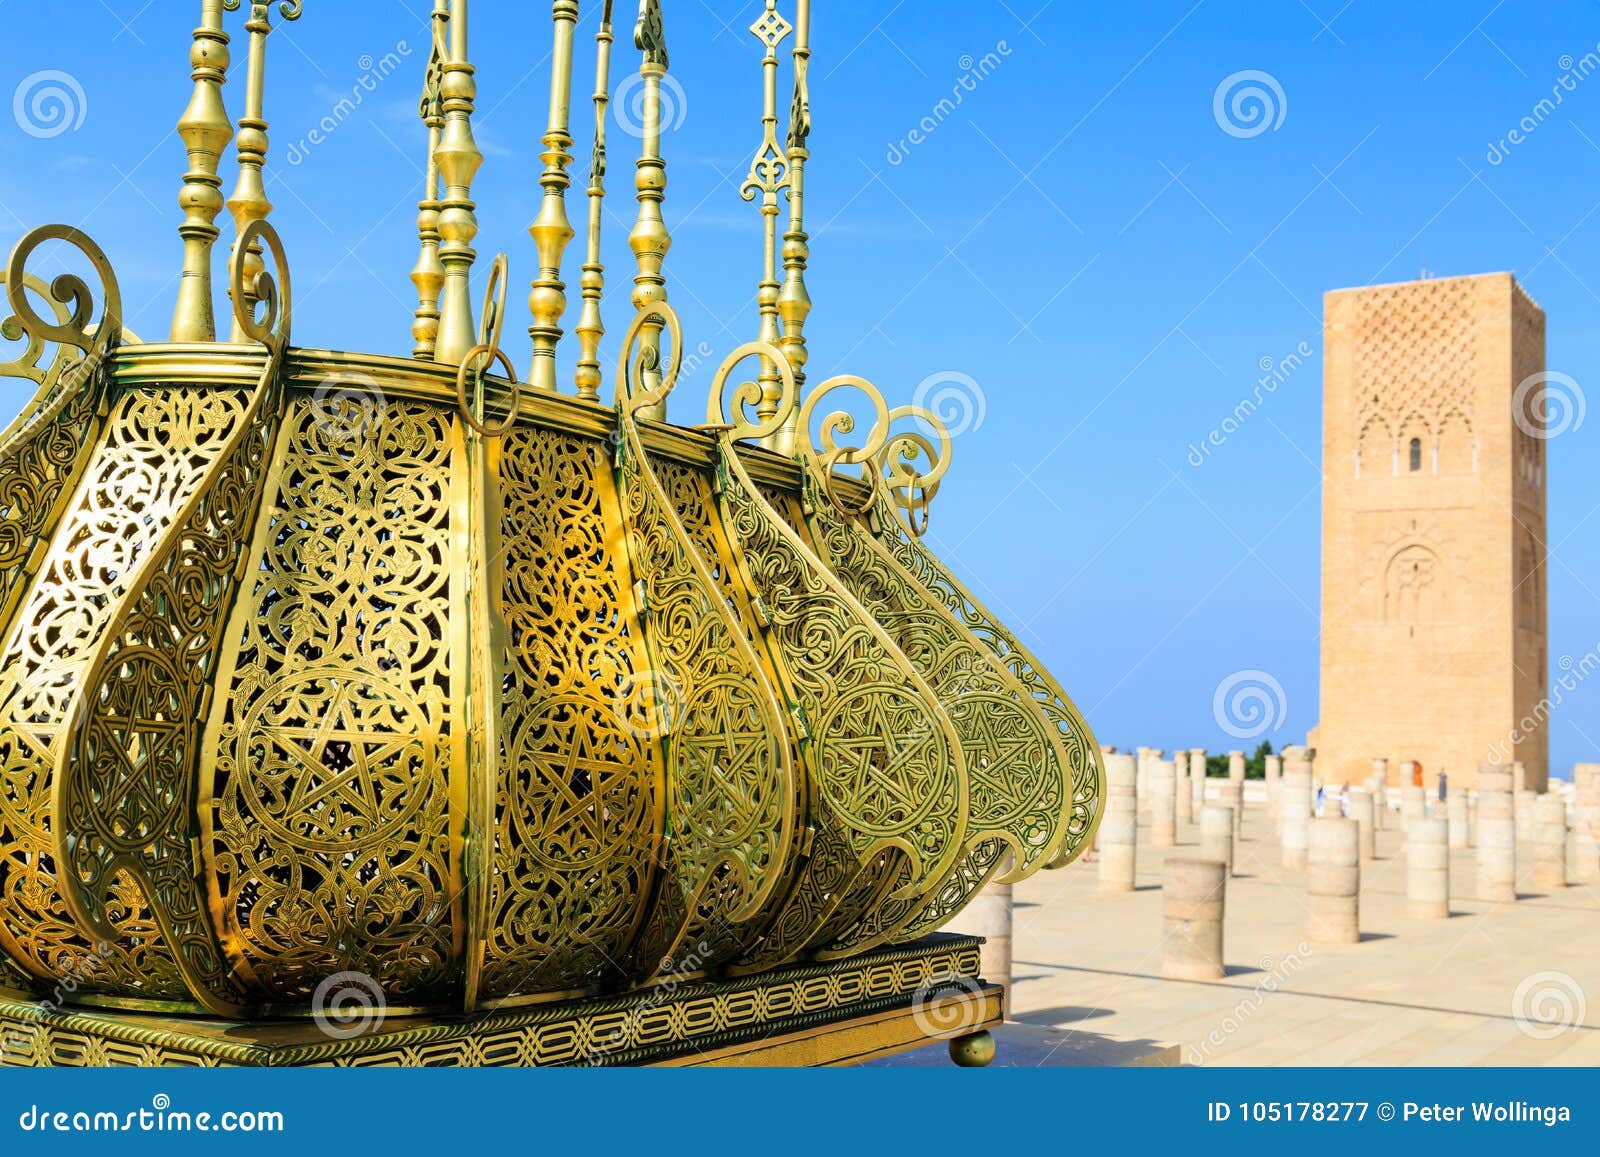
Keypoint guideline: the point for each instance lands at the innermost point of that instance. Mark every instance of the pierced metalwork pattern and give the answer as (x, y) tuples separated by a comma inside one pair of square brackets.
[(731, 784), (890, 773), (1077, 742), (328, 829), (579, 799), (157, 444), (1017, 781)]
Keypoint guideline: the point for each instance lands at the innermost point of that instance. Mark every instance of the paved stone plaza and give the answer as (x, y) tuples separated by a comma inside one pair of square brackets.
[(1413, 992)]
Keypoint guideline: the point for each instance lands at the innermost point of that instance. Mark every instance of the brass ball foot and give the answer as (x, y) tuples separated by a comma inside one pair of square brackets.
[(973, 1052)]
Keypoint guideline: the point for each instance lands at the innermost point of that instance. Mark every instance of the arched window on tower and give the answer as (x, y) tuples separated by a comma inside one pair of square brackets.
[(1415, 462)]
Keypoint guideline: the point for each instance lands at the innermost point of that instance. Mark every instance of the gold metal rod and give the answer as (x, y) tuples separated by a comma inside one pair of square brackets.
[(591, 327), (650, 239), (428, 276), (459, 160), (551, 229), (205, 131), (249, 202), (794, 302), (768, 176)]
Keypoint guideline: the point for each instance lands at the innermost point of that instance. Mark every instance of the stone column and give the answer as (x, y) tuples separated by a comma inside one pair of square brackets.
[(1586, 823), (1294, 809), (1230, 794), (1182, 791), (1428, 869), (1197, 777), (1361, 812), (1524, 805), (1236, 766), (1333, 882), (1194, 896), (1216, 834), (1456, 808), (1550, 842), (1162, 778), (1413, 806), (1497, 836), (1380, 793), (989, 915), (1274, 772), (1119, 831)]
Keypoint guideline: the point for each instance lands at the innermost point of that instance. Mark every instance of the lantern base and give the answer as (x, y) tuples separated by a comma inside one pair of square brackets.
[(837, 1013)]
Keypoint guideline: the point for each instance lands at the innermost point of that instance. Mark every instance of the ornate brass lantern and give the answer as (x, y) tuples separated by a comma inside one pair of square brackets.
[(321, 663)]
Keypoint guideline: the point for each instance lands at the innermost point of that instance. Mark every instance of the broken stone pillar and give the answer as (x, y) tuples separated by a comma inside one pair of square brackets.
[(989, 915), (1361, 812), (1586, 823), (1294, 809), (1274, 773), (1163, 804), (1182, 793), (1197, 777), (1193, 901), (1380, 793), (1333, 881), (1497, 836), (1523, 807), (1550, 842), (1236, 766), (1119, 831), (1428, 869), (1230, 794), (1456, 809), (1216, 834), (1413, 806)]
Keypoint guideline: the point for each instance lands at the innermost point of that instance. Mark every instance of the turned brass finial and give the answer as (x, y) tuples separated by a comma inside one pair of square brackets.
[(650, 238), (206, 131), (591, 328), (428, 276), (551, 229), (459, 160), (769, 175), (794, 302), (249, 202)]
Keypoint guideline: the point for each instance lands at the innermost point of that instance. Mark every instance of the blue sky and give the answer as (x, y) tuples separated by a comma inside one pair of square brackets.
[(1080, 247)]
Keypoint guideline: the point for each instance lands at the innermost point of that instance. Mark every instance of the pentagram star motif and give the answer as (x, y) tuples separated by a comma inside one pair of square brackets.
[(876, 763), (723, 749), (341, 759)]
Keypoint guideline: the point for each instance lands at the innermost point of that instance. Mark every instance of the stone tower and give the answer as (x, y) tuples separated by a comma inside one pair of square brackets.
[(1433, 535)]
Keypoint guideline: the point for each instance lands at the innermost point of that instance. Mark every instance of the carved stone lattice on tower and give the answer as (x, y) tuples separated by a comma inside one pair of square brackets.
[(1433, 595)]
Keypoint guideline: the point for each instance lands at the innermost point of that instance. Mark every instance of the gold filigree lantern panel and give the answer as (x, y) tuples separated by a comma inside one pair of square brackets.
[(321, 663)]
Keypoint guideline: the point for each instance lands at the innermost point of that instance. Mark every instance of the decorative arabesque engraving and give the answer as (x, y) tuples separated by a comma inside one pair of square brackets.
[(912, 468), (730, 781), (1018, 781)]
